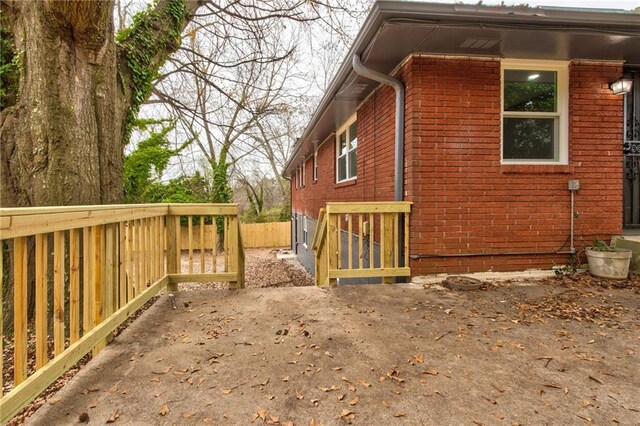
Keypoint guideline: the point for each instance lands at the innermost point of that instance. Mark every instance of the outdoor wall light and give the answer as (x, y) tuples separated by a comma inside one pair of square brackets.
[(621, 86)]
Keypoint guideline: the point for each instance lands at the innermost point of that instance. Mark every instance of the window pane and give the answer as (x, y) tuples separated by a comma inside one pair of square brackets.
[(353, 136), (342, 168), (343, 144), (534, 91), (530, 139), (353, 161)]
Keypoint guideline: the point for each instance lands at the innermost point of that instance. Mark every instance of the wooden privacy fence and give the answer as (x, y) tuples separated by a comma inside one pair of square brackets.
[(272, 234), (362, 240), (102, 263)]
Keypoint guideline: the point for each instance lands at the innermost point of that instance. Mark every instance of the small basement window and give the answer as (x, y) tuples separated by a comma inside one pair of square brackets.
[(534, 112), (305, 232), (347, 151)]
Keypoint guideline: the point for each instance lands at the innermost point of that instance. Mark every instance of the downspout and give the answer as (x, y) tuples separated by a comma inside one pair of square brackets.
[(398, 175)]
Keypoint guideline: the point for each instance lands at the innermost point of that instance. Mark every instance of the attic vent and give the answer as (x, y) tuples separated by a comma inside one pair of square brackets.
[(476, 43), (359, 88)]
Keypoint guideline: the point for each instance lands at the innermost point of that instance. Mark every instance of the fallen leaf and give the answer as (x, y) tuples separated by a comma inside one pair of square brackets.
[(419, 358), (113, 389), (225, 391), (399, 414), (299, 395), (272, 420), (93, 404), (490, 400), (329, 354), (114, 416), (498, 388), (364, 383), (260, 414), (187, 415), (430, 372), (354, 401), (84, 417), (347, 414), (164, 410)]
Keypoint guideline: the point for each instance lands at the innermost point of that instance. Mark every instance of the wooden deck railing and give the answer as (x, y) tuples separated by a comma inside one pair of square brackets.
[(362, 240), (101, 263)]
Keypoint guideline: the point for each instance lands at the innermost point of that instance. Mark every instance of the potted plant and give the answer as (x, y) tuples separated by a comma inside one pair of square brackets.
[(608, 262)]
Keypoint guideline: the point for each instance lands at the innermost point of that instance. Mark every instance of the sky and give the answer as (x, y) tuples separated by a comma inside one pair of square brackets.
[(607, 4)]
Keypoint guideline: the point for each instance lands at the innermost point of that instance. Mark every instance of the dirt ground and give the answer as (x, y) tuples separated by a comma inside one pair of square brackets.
[(262, 269), (560, 351)]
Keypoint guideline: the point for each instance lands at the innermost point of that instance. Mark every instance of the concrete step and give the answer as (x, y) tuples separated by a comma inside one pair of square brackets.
[(631, 242)]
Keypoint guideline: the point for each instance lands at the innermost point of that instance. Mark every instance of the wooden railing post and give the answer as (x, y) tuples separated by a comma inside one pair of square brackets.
[(333, 234), (387, 244), (233, 244), (240, 258), (172, 249)]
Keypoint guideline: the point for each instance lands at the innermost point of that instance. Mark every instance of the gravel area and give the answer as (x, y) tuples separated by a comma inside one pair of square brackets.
[(262, 269)]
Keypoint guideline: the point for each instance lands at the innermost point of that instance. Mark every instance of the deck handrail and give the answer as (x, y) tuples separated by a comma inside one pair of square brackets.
[(102, 263), (332, 262)]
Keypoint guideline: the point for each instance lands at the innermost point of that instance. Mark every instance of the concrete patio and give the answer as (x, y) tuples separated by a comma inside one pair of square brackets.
[(370, 355)]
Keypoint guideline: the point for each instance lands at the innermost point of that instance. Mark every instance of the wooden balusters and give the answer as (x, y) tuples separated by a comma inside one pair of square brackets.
[(202, 245), (190, 245), (58, 291), (19, 309), (391, 219), (74, 285), (41, 325)]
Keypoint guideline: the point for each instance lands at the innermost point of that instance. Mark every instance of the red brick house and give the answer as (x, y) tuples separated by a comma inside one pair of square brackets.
[(507, 110)]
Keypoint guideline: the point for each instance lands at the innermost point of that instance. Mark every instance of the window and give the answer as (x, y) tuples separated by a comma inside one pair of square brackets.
[(305, 232), (347, 151), (534, 112), (304, 173), (315, 165)]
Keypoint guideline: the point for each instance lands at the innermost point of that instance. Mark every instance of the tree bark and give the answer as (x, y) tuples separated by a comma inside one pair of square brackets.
[(62, 139), (62, 142)]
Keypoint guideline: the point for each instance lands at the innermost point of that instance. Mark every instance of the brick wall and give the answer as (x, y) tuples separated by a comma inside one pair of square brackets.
[(374, 166), (465, 201)]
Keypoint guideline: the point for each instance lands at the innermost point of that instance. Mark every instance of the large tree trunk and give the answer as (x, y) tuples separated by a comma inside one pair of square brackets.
[(62, 135), (62, 142)]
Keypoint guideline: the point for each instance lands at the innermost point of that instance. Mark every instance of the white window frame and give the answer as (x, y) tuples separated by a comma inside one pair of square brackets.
[(305, 232), (342, 129), (315, 165), (304, 172), (562, 70)]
